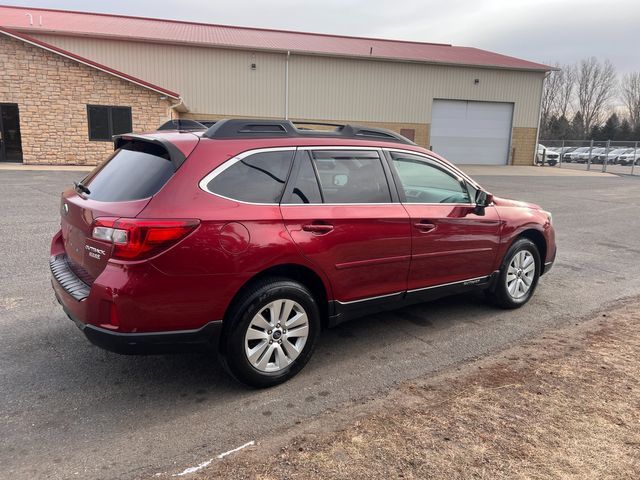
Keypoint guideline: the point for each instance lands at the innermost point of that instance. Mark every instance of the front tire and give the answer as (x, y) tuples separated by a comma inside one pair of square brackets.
[(518, 276), (273, 331)]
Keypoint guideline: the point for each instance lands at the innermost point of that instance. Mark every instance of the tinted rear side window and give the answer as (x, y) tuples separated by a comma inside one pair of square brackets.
[(137, 170), (258, 178), (351, 177)]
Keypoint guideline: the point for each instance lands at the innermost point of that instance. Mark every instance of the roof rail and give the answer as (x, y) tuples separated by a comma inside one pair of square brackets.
[(258, 128), (182, 124)]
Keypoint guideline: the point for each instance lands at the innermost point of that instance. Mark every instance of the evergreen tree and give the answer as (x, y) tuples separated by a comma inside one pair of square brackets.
[(635, 135), (596, 134), (564, 128), (577, 127), (611, 128), (626, 133)]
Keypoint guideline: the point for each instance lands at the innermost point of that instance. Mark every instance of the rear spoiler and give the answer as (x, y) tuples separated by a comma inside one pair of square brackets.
[(175, 155)]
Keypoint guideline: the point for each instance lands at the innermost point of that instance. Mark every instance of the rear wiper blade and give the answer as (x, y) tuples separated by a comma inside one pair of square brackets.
[(80, 186)]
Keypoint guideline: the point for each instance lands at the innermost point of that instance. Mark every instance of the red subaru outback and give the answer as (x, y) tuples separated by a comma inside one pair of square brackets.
[(251, 236)]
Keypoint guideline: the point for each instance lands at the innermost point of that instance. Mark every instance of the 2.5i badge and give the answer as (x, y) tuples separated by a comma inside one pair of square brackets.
[(96, 252)]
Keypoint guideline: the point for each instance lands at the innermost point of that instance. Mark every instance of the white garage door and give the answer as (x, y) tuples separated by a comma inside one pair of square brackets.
[(471, 132)]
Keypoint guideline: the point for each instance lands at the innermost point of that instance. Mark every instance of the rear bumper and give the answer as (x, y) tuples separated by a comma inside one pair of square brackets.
[(146, 343), (81, 303)]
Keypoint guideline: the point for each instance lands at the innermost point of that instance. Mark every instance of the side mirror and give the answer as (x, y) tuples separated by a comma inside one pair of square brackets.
[(483, 200)]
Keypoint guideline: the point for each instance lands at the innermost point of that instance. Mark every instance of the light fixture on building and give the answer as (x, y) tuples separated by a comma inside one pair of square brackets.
[(476, 81)]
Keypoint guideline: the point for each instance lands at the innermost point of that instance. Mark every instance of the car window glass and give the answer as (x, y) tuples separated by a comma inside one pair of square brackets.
[(426, 183), (137, 170), (351, 177), (258, 178), (305, 189)]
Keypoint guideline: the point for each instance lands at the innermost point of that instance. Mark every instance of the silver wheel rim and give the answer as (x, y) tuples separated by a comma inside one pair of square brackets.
[(520, 274), (276, 335)]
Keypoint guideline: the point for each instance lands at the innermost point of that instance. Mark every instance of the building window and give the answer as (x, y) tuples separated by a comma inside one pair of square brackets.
[(105, 122), (409, 133)]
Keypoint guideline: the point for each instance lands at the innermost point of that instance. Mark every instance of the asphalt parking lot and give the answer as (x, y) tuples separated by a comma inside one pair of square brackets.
[(70, 410)]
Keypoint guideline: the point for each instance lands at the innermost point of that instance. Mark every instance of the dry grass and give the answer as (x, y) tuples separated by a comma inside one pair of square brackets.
[(566, 405)]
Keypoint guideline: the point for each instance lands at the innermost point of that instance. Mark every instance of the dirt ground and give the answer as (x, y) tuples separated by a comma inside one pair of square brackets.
[(563, 405)]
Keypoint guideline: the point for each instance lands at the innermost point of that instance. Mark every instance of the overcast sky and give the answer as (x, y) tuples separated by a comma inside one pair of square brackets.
[(539, 30)]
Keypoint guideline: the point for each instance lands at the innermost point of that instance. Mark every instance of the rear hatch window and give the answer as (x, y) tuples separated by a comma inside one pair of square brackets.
[(119, 188), (135, 171)]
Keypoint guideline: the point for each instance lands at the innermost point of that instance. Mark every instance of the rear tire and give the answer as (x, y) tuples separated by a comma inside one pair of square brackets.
[(273, 330), (518, 276)]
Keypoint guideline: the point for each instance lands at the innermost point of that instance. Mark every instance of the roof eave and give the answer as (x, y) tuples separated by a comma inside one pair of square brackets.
[(541, 69), (90, 63)]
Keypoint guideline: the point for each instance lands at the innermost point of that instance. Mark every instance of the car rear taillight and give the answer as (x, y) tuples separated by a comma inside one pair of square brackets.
[(135, 239)]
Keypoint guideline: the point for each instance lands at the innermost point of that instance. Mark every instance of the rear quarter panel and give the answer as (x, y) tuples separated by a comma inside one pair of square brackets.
[(234, 240)]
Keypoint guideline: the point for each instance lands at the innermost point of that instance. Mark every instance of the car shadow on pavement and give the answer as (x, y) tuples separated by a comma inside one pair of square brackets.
[(83, 369)]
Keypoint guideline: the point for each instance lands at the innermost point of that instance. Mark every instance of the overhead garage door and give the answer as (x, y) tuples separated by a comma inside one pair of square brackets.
[(472, 132)]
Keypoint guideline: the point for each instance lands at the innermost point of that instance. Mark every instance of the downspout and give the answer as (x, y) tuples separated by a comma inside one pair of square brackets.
[(286, 86), (535, 147), (175, 106)]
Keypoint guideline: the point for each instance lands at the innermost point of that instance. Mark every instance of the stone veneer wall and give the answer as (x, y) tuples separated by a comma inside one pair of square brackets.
[(52, 93), (523, 146)]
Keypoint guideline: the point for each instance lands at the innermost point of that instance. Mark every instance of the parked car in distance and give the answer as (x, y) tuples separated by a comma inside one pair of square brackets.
[(549, 155), (563, 150), (583, 157), (251, 236), (633, 156), (611, 156), (572, 155)]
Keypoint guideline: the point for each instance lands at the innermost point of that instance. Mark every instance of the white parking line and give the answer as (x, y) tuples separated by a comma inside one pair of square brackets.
[(206, 463), (248, 444)]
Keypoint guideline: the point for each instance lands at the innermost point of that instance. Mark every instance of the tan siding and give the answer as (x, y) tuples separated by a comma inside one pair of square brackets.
[(395, 92), (209, 79), (217, 81)]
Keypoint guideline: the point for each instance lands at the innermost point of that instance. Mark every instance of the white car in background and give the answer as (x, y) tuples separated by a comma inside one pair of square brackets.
[(612, 156), (551, 157), (573, 155), (583, 157), (628, 158)]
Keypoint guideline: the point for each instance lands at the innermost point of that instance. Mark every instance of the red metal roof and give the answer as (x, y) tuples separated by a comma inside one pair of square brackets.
[(86, 61), (170, 31)]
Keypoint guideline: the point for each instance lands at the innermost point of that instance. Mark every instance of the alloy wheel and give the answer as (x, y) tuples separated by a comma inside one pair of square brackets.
[(520, 274), (276, 335)]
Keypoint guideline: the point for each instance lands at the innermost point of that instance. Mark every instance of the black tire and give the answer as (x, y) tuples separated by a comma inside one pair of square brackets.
[(499, 294), (254, 300)]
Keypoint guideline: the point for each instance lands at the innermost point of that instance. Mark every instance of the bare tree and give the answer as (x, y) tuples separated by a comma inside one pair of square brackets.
[(596, 85), (550, 94), (566, 90), (557, 96), (630, 90)]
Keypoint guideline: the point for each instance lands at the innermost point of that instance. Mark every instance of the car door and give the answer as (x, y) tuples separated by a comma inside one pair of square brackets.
[(452, 242), (344, 217)]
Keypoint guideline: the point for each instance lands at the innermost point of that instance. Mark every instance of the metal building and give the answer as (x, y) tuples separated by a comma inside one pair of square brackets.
[(470, 105)]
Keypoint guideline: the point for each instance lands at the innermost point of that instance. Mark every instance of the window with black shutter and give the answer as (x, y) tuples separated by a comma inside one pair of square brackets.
[(106, 121)]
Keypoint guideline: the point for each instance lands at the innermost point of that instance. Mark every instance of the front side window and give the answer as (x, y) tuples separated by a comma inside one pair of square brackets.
[(351, 177), (424, 182), (257, 178), (105, 122)]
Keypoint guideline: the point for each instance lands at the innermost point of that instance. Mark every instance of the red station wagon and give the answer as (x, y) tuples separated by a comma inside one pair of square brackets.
[(252, 235)]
